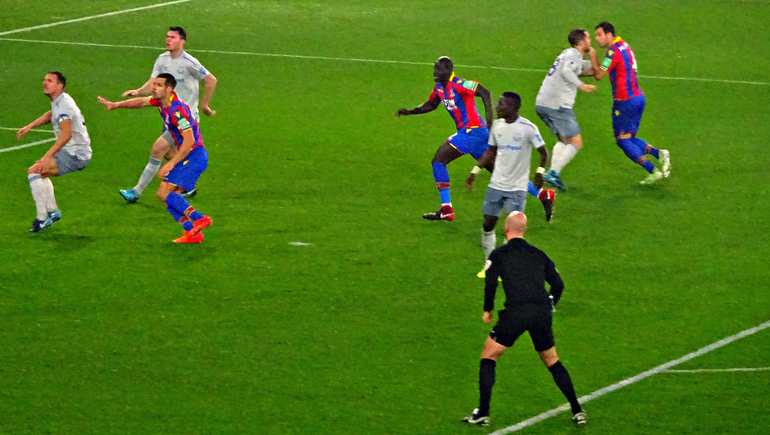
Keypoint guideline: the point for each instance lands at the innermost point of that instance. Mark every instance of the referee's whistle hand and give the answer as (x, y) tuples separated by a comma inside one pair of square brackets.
[(487, 317)]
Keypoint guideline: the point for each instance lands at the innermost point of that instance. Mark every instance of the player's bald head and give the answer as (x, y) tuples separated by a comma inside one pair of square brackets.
[(515, 224)]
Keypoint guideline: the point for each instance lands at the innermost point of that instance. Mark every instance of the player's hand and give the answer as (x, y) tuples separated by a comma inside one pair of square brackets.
[(165, 170), (469, 181), (487, 317), (587, 88), (107, 104), (538, 181), (131, 93), (591, 52), (207, 110), (402, 112), (22, 131)]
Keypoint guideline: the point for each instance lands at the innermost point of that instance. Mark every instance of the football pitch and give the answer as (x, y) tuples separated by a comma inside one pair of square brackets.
[(320, 301)]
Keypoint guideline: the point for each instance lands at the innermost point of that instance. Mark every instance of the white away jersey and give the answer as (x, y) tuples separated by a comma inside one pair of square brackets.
[(187, 71), (63, 108), (560, 84), (514, 142)]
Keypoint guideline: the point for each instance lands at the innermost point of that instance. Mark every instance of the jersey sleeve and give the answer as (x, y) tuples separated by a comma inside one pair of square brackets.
[(196, 69), (156, 68), (490, 281), (609, 59), (179, 119), (434, 95), (535, 138), (466, 87), (65, 111), (568, 71), (492, 141)]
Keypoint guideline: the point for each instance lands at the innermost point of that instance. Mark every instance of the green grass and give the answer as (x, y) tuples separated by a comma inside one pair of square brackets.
[(108, 327)]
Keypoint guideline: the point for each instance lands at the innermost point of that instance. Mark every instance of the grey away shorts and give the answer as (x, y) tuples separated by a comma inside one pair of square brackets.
[(562, 121)]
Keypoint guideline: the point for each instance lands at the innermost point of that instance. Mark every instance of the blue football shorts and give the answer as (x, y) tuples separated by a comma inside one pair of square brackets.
[(186, 173), (471, 141), (627, 115)]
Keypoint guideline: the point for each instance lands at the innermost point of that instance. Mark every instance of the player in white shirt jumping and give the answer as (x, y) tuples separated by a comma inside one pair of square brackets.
[(188, 72), (70, 152), (511, 141)]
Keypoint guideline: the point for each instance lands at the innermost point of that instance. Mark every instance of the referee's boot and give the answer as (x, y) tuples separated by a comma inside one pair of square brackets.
[(547, 197), (476, 418), (445, 213), (554, 179), (580, 418)]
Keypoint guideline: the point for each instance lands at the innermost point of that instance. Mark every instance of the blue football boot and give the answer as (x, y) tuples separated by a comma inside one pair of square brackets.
[(129, 195), (552, 178)]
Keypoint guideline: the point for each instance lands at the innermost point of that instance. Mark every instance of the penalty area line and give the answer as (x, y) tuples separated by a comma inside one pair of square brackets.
[(634, 379), (5, 150), (361, 60), (108, 14)]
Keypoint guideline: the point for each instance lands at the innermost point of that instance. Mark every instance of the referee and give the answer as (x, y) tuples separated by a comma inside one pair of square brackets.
[(523, 270)]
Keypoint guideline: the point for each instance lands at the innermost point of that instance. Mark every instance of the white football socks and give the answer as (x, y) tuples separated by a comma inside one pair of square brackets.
[(562, 154), (50, 200), (38, 188), (149, 172), (488, 242)]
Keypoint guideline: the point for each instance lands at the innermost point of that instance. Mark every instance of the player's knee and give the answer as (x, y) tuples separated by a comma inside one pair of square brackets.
[(489, 223), (162, 195)]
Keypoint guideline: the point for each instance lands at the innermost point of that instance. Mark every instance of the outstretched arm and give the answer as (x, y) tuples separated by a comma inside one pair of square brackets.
[(134, 103), (144, 91), (426, 107), (486, 97), (43, 120)]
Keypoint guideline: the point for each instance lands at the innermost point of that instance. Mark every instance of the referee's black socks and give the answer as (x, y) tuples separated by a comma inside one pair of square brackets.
[(486, 382), (564, 382)]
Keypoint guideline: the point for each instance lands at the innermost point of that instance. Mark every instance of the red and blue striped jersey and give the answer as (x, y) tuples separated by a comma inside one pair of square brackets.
[(178, 118), (458, 99), (621, 64)]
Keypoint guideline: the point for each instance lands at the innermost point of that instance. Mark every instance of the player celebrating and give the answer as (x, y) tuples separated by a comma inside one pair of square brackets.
[(183, 170), (188, 72), (620, 63), (511, 141), (457, 94), (557, 97), (71, 151)]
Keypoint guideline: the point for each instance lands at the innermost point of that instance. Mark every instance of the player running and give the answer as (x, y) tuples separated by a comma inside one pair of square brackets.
[(620, 62), (181, 173)]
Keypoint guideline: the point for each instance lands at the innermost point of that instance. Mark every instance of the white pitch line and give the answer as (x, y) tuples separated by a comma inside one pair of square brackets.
[(736, 369), (626, 382), (5, 150), (360, 60), (108, 14), (34, 129)]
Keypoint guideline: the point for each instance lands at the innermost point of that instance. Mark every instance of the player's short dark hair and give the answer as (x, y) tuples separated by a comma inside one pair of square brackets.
[(514, 97), (59, 77), (576, 36), (170, 80), (445, 62), (177, 29), (606, 27)]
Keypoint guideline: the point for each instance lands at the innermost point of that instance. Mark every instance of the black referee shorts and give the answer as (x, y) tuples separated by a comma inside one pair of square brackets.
[(535, 318)]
